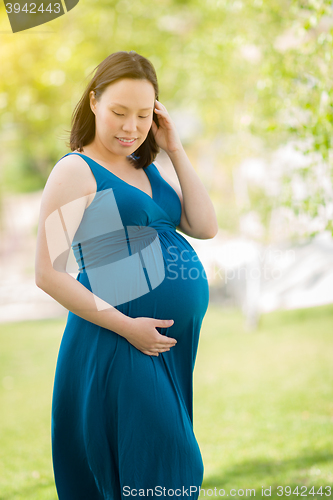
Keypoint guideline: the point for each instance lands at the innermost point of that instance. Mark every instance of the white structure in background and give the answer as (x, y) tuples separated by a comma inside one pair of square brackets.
[(268, 174), (303, 276), (262, 279), (281, 275), (20, 298), (239, 259)]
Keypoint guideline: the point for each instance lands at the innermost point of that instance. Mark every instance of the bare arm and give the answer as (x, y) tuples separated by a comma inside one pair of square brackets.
[(199, 207), (198, 218), (75, 297), (72, 184)]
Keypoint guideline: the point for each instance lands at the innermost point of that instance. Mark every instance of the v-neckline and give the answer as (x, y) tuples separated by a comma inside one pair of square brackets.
[(122, 180)]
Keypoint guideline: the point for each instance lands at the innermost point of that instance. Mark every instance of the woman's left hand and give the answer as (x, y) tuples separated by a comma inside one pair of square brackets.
[(166, 135)]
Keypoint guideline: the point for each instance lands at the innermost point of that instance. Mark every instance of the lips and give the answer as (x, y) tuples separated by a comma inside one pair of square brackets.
[(126, 142)]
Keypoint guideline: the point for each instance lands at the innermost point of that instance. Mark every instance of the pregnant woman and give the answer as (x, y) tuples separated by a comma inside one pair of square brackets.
[(122, 413)]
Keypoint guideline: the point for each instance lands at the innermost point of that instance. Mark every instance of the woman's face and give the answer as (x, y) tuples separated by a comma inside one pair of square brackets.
[(123, 115)]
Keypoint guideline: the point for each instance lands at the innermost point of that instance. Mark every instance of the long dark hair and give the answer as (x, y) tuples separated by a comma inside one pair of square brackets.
[(116, 66)]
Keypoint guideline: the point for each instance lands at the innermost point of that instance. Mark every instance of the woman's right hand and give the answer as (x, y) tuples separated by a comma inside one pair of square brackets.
[(143, 335)]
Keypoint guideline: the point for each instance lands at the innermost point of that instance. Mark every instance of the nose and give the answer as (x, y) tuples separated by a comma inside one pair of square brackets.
[(130, 124)]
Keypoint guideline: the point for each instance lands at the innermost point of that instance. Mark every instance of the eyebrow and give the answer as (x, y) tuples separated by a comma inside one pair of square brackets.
[(142, 109)]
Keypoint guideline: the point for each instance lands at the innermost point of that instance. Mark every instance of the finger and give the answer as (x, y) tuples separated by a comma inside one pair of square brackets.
[(161, 111), (160, 104), (164, 323), (150, 353), (163, 345), (165, 342), (160, 348)]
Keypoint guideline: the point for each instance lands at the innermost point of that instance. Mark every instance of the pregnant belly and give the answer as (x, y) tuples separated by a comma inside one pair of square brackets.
[(186, 282), (183, 294), (170, 282)]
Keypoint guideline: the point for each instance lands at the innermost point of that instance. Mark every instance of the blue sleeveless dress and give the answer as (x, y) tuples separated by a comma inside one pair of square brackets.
[(122, 421)]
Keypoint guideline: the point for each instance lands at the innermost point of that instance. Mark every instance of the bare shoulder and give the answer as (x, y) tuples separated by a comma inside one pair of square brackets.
[(67, 192), (74, 170), (70, 179)]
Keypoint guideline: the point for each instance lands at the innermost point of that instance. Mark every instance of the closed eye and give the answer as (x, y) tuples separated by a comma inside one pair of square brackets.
[(119, 114)]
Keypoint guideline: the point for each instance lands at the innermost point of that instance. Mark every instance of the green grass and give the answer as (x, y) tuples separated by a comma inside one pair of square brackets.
[(263, 403), (27, 364)]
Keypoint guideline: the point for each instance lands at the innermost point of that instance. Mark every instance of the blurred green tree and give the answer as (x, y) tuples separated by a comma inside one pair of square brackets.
[(249, 68)]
